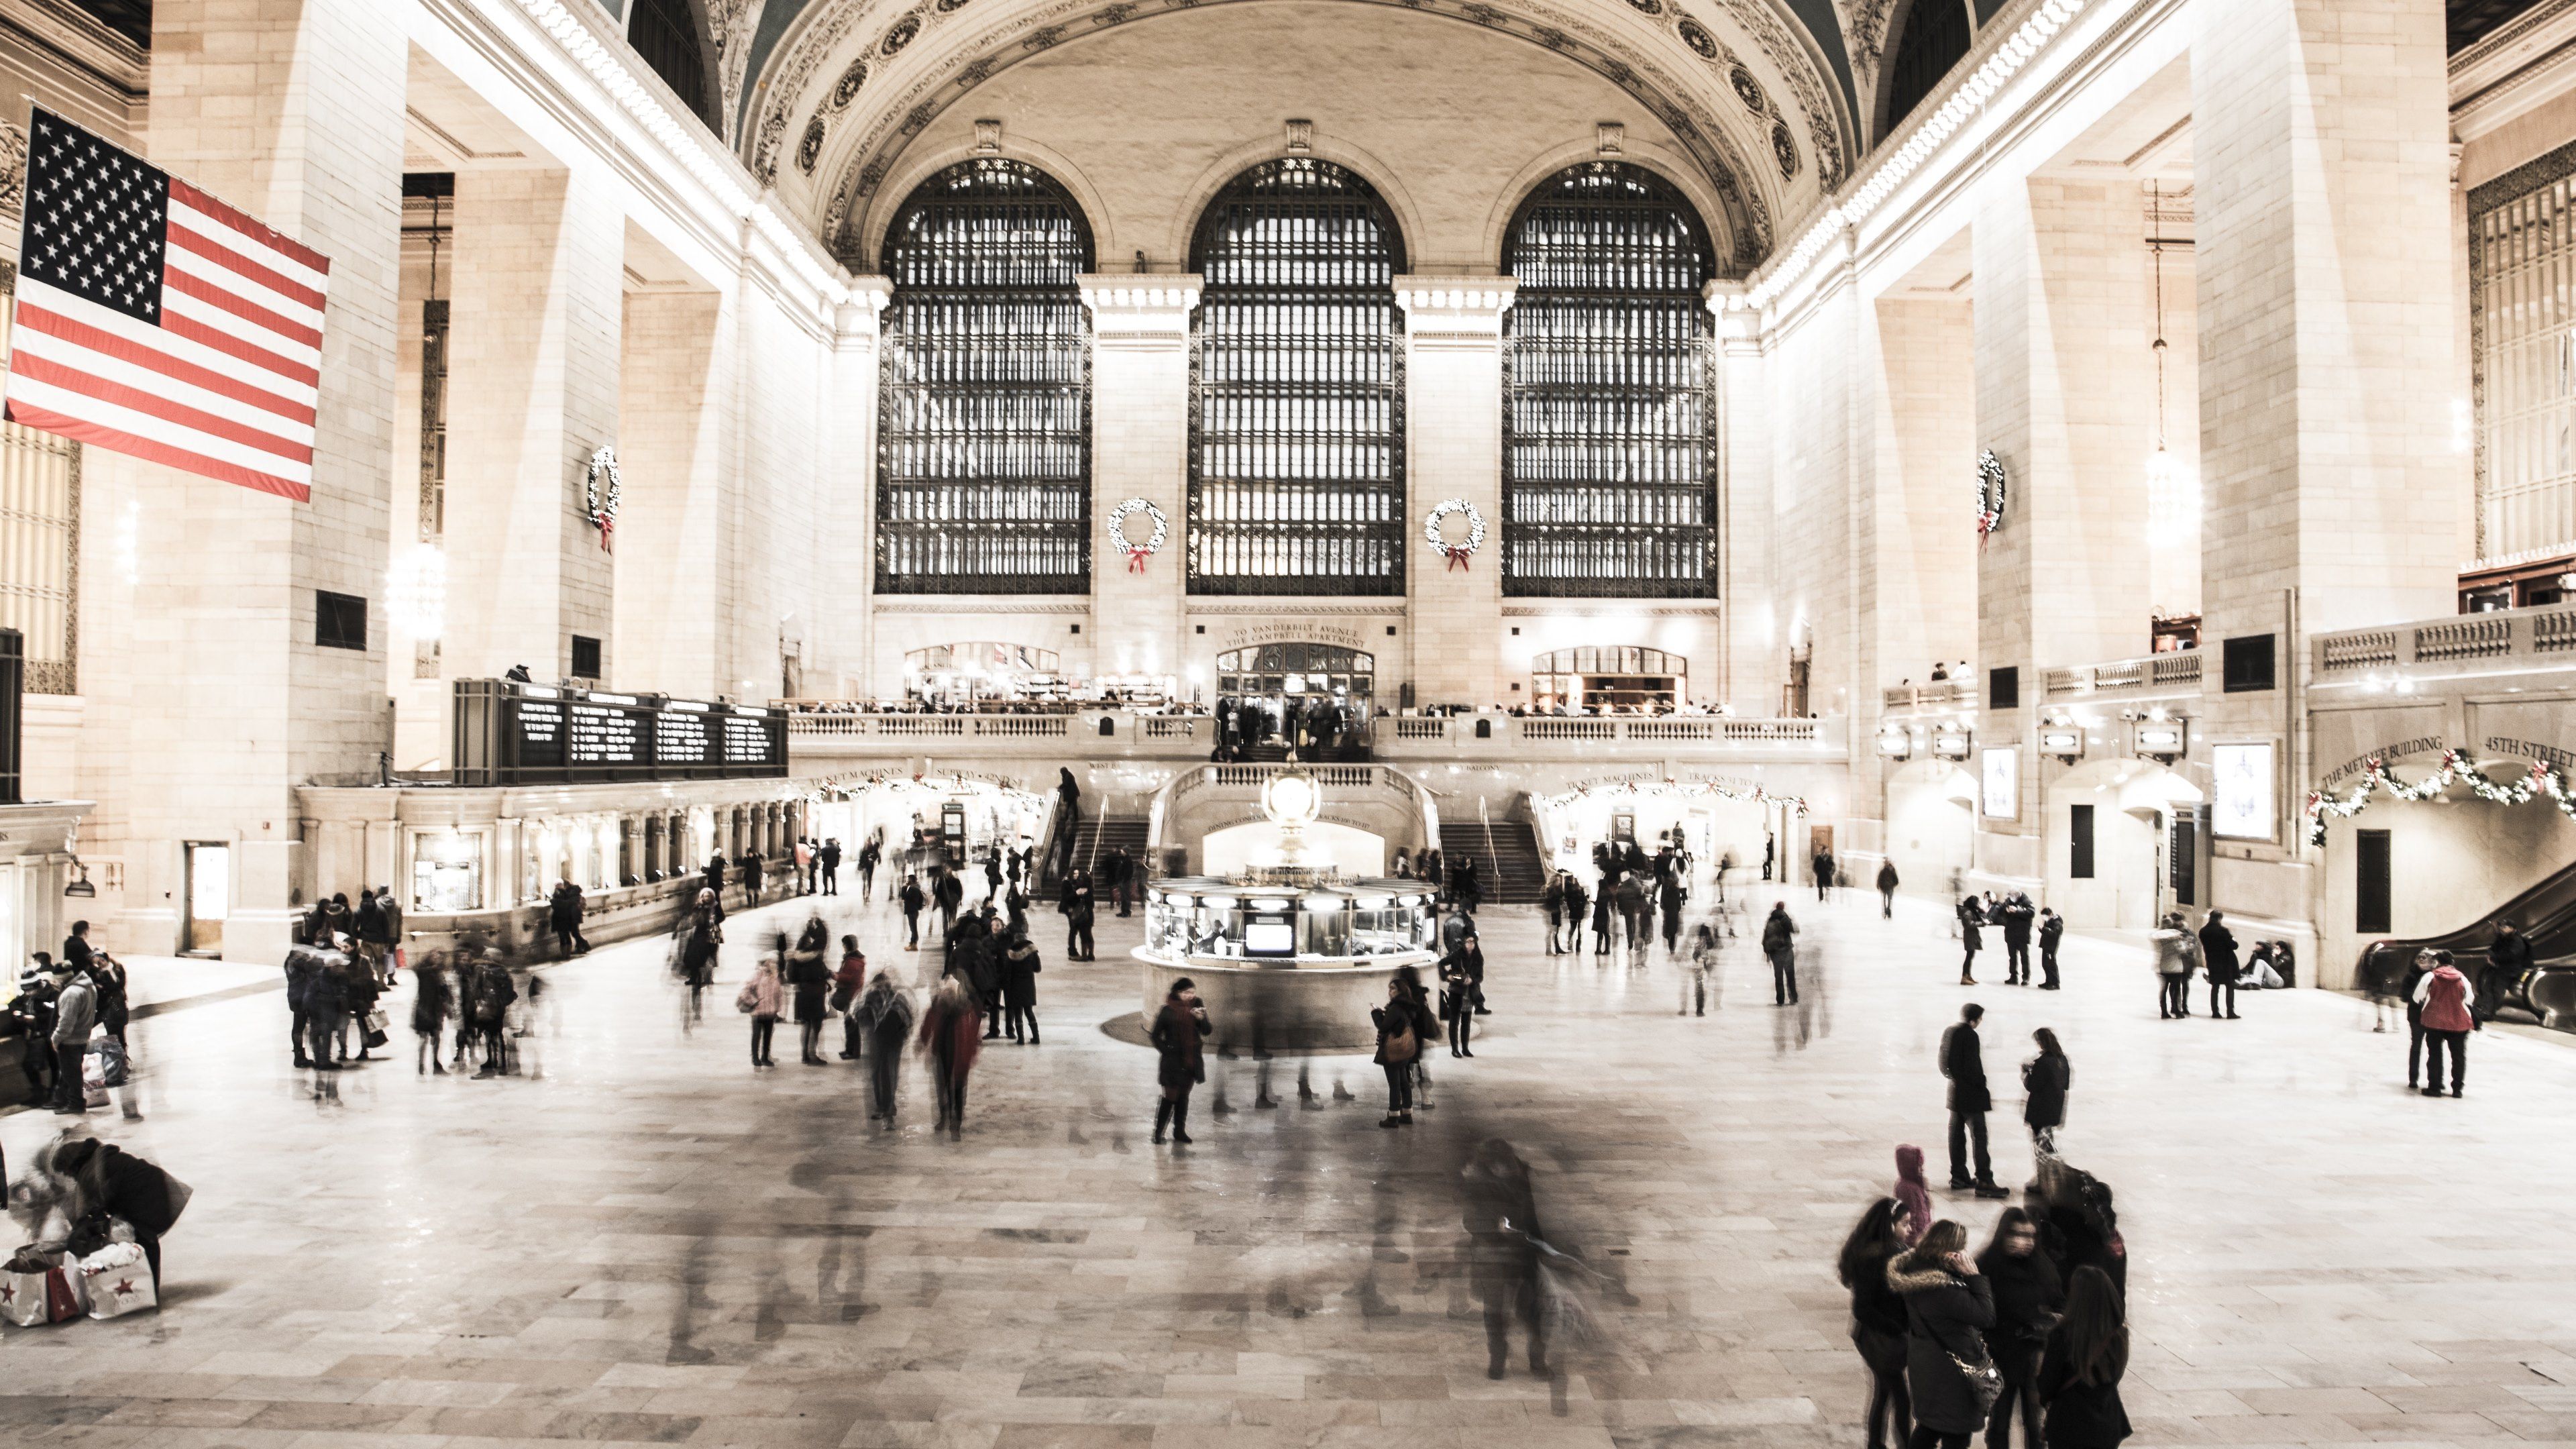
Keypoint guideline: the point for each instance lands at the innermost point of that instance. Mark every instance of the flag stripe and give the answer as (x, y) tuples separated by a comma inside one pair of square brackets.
[(287, 288), (153, 451), (37, 300), (258, 231), (174, 280), (37, 393), (199, 329), (203, 273), (158, 405), (42, 334)]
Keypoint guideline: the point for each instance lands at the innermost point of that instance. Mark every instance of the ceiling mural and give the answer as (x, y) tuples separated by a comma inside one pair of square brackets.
[(1758, 102)]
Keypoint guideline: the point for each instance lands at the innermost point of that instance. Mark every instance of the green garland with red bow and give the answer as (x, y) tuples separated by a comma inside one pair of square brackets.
[(2542, 779)]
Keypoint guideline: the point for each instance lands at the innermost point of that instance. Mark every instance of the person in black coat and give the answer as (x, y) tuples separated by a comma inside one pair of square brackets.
[(912, 900), (1972, 917), (2046, 1078), (2027, 1297), (1076, 904), (1020, 967), (2017, 916), (1878, 1318), (2508, 968), (1402, 1028), (2218, 962), (1500, 1212), (2080, 1370), (115, 1182), (1179, 1029), (1963, 1061), (1461, 973), (1948, 1308), (2052, 927)]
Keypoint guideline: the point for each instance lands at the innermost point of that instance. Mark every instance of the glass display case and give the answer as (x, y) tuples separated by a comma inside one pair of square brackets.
[(1274, 925)]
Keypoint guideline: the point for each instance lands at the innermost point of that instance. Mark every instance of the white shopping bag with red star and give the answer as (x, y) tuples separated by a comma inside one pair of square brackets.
[(119, 1280)]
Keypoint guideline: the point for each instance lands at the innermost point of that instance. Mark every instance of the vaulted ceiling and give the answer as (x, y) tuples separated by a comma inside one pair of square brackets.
[(820, 97)]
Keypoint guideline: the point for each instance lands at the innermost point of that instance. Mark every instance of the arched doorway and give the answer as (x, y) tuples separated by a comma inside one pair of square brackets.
[(1265, 691), (1609, 679), (2109, 823), (1931, 819)]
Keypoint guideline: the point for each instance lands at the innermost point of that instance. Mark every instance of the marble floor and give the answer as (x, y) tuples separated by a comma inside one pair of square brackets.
[(651, 1243)]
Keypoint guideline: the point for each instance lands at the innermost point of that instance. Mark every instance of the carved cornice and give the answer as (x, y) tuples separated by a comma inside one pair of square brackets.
[(1140, 312)]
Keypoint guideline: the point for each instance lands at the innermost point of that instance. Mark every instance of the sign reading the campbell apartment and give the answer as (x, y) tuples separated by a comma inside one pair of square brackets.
[(508, 733)]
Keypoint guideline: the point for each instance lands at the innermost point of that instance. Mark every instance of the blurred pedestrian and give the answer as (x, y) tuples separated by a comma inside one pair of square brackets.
[(1972, 917), (432, 1002), (1501, 1215), (1887, 891), (1913, 1192), (2027, 1298), (1878, 1314), (812, 980), (1400, 1033), (1179, 1029), (1948, 1308), (2176, 951), (760, 998), (950, 1039), (2080, 1371), (913, 900), (885, 1013), (847, 981), (1703, 967)]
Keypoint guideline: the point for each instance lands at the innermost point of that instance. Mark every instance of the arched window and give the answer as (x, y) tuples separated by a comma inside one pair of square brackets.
[(665, 34), (1297, 388), (1609, 432), (984, 438), (1936, 35)]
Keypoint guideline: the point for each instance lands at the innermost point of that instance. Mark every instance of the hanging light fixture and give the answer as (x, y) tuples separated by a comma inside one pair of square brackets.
[(2173, 494)]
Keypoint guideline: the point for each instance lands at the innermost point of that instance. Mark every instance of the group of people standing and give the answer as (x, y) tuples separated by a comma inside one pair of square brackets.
[(63, 1011), (1636, 892), (2019, 920)]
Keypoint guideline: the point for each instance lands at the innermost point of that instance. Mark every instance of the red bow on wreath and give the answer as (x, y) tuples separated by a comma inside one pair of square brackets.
[(1136, 558), (607, 523), (1457, 556)]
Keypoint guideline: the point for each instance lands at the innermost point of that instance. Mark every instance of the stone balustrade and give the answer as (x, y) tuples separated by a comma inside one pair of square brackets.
[(2500, 642)]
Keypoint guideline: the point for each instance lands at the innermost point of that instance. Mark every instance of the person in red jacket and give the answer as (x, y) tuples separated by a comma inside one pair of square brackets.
[(950, 1038), (2446, 996)]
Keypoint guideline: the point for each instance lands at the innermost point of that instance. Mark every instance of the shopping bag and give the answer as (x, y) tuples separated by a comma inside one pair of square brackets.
[(117, 1281), (402, 959), (110, 1055), (22, 1286), (94, 1079)]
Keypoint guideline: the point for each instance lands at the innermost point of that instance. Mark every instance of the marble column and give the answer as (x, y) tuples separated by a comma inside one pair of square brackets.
[(532, 393), (673, 443), (1453, 434), (1747, 672), (1140, 414), (210, 695), (847, 667)]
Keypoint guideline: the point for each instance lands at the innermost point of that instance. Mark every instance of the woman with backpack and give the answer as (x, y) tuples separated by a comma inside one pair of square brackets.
[(1179, 1029), (760, 999), (1948, 1308), (1400, 1029)]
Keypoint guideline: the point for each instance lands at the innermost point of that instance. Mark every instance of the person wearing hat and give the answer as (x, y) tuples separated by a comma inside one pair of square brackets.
[(32, 1009)]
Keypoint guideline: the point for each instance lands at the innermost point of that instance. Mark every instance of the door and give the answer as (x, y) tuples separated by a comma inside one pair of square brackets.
[(2373, 883), (210, 894)]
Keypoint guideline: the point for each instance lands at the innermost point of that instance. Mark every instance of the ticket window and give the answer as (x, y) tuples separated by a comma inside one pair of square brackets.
[(210, 893), (446, 872)]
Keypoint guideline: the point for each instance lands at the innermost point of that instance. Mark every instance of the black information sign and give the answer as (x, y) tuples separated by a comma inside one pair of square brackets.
[(512, 734)]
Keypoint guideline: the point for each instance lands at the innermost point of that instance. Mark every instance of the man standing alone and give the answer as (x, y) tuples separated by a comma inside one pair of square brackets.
[(1779, 935), (1824, 868), (1887, 890), (1963, 1061), (75, 1013)]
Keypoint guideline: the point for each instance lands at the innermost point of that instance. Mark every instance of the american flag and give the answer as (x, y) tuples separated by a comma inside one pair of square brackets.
[(157, 321)]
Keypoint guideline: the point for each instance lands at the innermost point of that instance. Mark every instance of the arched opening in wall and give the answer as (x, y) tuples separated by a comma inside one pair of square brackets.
[(1297, 387), (1580, 828), (1609, 679), (665, 36), (966, 676), (1609, 429), (1935, 36), (2109, 827), (1320, 695), (1931, 821), (984, 412), (1358, 854)]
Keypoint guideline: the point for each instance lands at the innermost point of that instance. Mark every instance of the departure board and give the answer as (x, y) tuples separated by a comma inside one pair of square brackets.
[(509, 733)]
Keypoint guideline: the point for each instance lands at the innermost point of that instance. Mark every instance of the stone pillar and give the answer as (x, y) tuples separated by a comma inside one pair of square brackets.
[(1140, 433), (672, 447), (849, 514), (2320, 153), (1747, 670), (200, 595), (2065, 400), (533, 391), (1453, 426)]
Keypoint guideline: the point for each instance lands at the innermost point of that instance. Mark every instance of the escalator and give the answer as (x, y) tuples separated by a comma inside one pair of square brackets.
[(2546, 913)]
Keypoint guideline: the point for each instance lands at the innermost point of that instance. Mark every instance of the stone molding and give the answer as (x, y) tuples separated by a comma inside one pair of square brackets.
[(1140, 311), (1454, 313)]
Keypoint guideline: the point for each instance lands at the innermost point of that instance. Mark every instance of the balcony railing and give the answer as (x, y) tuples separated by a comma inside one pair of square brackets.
[(2491, 643), (932, 726), (1180, 736), (2174, 673), (1939, 695)]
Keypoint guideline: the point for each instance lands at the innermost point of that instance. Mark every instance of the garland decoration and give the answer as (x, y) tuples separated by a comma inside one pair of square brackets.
[(1137, 553), (1990, 493), (602, 508), (2542, 779), (1458, 553), (1675, 789)]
